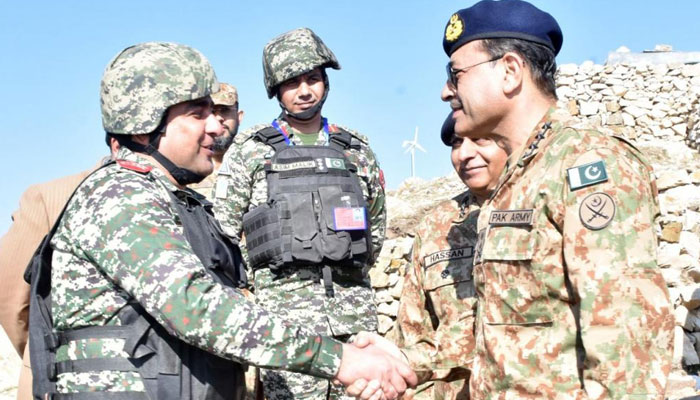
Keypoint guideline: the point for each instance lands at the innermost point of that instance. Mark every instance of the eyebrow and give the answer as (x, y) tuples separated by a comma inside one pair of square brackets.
[(199, 103)]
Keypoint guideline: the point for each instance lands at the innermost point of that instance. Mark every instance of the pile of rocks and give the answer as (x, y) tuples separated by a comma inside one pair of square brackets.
[(638, 101)]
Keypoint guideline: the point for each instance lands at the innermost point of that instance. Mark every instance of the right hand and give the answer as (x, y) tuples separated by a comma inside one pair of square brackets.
[(370, 363)]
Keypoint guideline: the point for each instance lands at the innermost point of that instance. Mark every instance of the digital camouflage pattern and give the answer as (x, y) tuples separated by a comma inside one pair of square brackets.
[(226, 96), (435, 322), (566, 311), (120, 231), (206, 186), (297, 294), (142, 81), (292, 54)]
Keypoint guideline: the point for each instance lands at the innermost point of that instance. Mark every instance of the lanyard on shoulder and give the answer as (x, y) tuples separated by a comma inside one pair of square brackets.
[(283, 130)]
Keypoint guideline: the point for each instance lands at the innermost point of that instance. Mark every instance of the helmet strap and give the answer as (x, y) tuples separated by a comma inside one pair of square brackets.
[(181, 175)]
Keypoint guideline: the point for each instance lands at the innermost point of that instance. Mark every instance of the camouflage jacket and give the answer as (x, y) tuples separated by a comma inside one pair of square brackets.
[(206, 186), (241, 185), (571, 301), (435, 323), (120, 239)]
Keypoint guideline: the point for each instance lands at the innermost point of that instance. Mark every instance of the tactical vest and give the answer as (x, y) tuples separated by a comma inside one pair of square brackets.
[(315, 214), (169, 367)]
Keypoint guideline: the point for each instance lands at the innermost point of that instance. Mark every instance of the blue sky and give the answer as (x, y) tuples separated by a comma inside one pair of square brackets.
[(53, 54)]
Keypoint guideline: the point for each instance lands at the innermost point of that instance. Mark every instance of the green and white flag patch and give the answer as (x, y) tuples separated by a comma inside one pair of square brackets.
[(587, 175), (336, 163)]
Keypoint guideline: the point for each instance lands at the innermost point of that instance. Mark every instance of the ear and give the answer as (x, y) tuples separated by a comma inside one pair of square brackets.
[(514, 67), (114, 147), (241, 113), (140, 139)]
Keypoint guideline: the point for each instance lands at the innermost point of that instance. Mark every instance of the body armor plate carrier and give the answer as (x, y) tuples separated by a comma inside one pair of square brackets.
[(169, 367), (315, 214)]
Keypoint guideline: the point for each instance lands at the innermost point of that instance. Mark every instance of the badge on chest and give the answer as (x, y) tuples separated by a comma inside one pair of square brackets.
[(511, 217), (349, 218), (447, 255)]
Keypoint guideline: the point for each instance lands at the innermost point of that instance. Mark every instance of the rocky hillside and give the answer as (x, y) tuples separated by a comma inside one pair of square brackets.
[(653, 105)]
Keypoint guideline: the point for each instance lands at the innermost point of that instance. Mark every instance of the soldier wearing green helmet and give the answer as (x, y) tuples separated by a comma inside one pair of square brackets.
[(308, 196), (134, 290)]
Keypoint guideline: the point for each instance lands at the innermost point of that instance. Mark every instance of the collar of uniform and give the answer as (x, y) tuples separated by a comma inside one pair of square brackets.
[(465, 204), (128, 155), (532, 145), (525, 153), (294, 133)]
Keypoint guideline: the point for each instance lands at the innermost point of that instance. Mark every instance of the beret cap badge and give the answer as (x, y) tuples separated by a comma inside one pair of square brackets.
[(454, 28)]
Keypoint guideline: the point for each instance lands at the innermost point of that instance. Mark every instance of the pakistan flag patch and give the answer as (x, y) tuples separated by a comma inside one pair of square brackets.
[(587, 175)]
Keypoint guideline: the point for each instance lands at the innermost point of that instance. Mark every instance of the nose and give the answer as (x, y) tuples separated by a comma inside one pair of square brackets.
[(303, 89), (213, 125), (467, 150), (447, 92)]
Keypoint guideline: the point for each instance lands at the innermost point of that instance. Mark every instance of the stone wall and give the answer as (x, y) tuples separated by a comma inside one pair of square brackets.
[(655, 107)]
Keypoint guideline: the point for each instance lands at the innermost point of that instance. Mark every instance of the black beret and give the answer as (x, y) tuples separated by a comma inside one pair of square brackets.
[(447, 130), (489, 19)]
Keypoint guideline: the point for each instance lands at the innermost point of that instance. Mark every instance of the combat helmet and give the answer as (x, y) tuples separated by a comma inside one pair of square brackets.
[(142, 82), (292, 54)]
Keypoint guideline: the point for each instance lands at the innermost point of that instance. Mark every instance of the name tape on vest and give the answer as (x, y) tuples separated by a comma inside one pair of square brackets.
[(320, 163), (293, 166), (511, 218), (447, 255)]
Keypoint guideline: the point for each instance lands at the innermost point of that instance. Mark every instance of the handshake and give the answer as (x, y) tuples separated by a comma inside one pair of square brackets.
[(373, 368)]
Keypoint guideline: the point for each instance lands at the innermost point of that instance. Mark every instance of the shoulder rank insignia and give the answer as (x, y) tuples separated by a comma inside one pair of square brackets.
[(223, 170), (586, 175), (597, 210), (130, 165)]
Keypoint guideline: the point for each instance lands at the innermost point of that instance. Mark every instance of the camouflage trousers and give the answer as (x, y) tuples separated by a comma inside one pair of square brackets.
[(299, 297), (439, 390), (283, 385)]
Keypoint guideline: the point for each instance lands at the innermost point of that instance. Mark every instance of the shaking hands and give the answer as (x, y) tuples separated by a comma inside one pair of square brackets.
[(373, 368)]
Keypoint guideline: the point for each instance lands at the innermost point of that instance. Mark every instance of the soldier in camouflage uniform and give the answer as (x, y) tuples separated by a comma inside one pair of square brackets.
[(324, 296), (138, 307), (571, 301), (230, 116), (435, 322)]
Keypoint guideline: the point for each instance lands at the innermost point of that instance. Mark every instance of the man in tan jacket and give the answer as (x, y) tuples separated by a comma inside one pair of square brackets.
[(39, 208)]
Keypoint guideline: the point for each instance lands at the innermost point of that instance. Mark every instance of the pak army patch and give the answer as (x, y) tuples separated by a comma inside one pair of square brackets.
[(511, 217), (586, 175), (597, 211)]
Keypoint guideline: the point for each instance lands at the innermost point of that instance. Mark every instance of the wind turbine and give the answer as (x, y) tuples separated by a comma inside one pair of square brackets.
[(412, 146)]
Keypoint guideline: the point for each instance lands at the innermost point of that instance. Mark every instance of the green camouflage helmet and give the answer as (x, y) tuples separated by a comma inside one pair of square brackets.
[(142, 81), (226, 96), (292, 54)]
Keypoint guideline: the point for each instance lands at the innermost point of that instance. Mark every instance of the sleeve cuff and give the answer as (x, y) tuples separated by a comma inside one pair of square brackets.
[(327, 360)]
